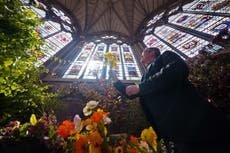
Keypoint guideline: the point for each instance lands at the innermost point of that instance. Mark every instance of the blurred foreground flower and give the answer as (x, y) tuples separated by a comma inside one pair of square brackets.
[(66, 128), (33, 119), (88, 109), (81, 136), (150, 136)]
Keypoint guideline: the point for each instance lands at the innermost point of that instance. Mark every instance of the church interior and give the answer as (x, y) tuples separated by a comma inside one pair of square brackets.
[(54, 65)]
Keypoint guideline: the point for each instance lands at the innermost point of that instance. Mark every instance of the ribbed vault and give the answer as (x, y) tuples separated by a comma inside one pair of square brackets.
[(111, 17)]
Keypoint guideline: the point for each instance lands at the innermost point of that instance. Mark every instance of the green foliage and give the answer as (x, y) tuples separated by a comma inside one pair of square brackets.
[(18, 41), (21, 91), (210, 74)]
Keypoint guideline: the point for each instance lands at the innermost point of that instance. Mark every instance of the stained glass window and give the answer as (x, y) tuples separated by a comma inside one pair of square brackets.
[(90, 63), (55, 38), (115, 50), (39, 12), (186, 43), (78, 66), (48, 28), (218, 26), (152, 41), (95, 64), (53, 45), (131, 69), (203, 23), (222, 6)]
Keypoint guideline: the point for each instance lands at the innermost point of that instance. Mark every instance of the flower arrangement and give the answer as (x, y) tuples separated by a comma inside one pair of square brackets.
[(81, 136), (112, 59), (42, 132)]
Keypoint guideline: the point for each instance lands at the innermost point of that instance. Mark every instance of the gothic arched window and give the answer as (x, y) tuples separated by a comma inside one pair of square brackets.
[(90, 62), (52, 32), (189, 30)]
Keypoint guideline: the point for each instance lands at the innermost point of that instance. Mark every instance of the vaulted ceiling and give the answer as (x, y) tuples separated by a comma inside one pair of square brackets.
[(112, 17)]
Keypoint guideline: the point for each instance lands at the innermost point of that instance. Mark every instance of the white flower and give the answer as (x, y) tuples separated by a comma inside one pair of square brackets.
[(145, 146), (106, 119), (77, 121), (17, 124), (87, 111), (92, 104)]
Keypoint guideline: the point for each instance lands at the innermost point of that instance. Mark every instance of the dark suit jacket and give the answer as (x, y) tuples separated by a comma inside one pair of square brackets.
[(173, 106)]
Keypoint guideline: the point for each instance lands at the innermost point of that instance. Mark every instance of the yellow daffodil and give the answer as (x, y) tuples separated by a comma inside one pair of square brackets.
[(150, 136), (112, 59), (107, 55), (33, 119)]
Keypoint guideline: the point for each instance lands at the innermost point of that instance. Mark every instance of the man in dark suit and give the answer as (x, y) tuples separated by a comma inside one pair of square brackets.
[(174, 108)]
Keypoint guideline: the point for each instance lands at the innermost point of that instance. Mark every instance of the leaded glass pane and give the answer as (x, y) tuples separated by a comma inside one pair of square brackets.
[(131, 69), (77, 68), (186, 43), (115, 50), (152, 41), (203, 23), (95, 65), (222, 6), (48, 28)]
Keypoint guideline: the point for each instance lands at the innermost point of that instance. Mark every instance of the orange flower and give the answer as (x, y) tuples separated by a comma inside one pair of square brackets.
[(95, 138), (66, 128), (81, 145), (134, 140), (97, 116)]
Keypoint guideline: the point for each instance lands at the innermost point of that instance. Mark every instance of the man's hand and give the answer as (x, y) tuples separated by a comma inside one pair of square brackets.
[(132, 90)]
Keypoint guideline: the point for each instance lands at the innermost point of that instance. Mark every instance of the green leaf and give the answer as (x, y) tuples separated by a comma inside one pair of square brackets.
[(8, 62)]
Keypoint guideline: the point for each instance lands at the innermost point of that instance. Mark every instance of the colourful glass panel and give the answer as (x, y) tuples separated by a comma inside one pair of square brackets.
[(77, 68), (192, 46), (186, 43), (216, 27), (222, 6), (200, 23), (115, 50), (131, 69), (39, 12), (48, 28), (95, 65), (152, 41)]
